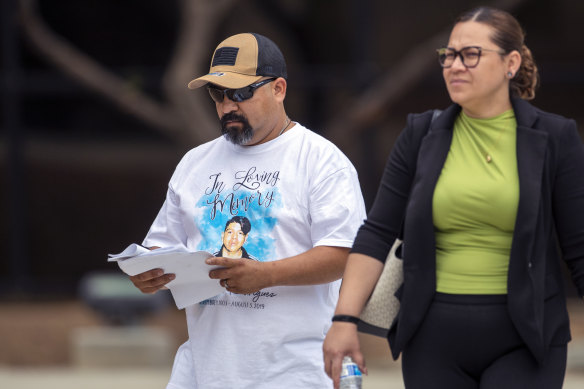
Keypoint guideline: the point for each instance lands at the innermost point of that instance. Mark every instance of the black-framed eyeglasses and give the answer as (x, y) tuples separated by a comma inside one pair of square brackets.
[(469, 55), (238, 95)]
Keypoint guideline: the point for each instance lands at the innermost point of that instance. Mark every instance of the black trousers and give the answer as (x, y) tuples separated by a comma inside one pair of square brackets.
[(469, 342)]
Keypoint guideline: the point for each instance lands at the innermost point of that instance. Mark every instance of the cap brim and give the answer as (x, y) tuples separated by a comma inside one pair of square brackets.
[(224, 80)]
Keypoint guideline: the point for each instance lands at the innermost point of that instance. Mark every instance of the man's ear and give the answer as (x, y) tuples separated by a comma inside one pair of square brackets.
[(279, 88)]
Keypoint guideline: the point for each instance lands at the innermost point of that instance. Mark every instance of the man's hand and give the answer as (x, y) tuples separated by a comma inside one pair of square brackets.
[(152, 281), (243, 275)]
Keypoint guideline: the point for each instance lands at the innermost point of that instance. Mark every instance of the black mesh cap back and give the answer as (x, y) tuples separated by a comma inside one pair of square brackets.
[(271, 61)]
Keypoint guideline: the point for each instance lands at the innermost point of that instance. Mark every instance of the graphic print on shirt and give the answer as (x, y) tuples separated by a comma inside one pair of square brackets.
[(250, 198), (236, 219)]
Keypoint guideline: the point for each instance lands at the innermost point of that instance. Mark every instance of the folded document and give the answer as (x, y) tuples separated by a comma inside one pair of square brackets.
[(192, 283)]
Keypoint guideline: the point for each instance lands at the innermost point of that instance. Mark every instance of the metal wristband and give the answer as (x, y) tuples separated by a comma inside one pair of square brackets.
[(346, 318)]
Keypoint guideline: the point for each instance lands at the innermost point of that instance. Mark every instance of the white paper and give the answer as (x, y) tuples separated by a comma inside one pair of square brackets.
[(192, 283), (135, 250), (130, 251)]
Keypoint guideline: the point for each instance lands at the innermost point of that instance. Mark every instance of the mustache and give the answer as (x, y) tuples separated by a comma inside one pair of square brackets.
[(232, 117)]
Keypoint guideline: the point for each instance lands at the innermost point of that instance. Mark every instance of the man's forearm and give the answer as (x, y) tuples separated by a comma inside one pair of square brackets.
[(318, 265)]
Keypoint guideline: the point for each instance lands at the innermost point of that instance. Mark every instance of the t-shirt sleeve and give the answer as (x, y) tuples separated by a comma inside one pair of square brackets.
[(167, 229), (337, 208)]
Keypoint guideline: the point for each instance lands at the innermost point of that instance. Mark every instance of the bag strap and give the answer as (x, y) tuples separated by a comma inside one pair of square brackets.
[(435, 114)]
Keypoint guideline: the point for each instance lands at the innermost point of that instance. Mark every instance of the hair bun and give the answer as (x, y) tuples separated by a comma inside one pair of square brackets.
[(527, 78)]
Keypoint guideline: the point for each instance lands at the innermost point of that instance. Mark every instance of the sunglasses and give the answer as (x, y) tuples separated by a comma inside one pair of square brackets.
[(238, 95)]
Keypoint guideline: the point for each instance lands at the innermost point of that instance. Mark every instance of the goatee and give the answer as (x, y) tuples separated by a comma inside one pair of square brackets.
[(234, 134)]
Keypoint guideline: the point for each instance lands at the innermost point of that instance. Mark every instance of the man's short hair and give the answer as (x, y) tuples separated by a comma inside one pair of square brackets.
[(242, 221)]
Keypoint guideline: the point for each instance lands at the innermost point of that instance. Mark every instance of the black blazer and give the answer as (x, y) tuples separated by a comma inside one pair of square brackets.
[(550, 221)]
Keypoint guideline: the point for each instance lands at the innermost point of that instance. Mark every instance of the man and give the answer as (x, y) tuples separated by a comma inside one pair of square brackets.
[(302, 196), (234, 237)]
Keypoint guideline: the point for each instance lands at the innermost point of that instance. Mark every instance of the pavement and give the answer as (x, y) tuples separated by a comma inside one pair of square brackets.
[(96, 368), (92, 378), (384, 373)]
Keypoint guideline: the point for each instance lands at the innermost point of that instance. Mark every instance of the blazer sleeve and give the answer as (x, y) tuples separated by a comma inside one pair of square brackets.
[(568, 201), (384, 220)]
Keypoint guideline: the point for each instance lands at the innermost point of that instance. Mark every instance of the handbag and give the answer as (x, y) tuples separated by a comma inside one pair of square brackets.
[(382, 307)]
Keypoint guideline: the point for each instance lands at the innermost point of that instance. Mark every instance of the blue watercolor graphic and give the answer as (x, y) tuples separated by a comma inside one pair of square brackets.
[(215, 209)]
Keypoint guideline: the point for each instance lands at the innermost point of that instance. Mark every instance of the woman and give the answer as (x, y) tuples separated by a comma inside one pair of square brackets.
[(487, 199)]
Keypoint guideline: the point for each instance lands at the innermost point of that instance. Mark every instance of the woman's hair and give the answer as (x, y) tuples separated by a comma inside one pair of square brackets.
[(509, 36)]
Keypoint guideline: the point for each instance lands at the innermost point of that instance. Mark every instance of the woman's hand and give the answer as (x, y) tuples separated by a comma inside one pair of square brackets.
[(341, 340), (359, 278)]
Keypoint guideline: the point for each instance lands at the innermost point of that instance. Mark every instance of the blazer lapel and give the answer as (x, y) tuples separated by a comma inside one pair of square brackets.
[(525, 273), (419, 249), (531, 153), (531, 156), (419, 259)]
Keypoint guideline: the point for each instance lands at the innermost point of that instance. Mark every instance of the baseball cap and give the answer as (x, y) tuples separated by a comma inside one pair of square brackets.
[(241, 60)]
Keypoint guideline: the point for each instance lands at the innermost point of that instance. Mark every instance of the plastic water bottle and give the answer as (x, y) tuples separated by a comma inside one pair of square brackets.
[(351, 377)]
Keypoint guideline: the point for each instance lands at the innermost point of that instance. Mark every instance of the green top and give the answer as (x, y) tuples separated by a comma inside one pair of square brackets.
[(475, 206)]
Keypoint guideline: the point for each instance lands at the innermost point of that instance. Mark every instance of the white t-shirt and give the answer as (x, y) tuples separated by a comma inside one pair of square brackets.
[(297, 191)]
